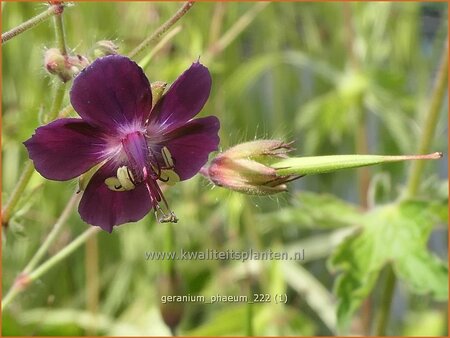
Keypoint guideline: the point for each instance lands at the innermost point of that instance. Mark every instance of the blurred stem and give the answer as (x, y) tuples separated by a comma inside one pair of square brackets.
[(60, 89), (160, 45), (249, 323), (386, 301), (253, 241), (169, 247), (431, 120), (361, 144), (17, 192), (52, 235), (25, 280), (162, 29), (231, 34), (92, 280), (64, 253), (59, 32), (52, 10), (216, 22)]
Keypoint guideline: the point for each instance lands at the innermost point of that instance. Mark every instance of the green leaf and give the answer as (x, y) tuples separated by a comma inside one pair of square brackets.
[(395, 233)]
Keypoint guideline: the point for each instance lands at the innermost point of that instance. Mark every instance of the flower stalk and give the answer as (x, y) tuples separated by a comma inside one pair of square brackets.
[(17, 193), (431, 120), (230, 35), (413, 183), (59, 32), (52, 235), (52, 10), (162, 29), (24, 280), (28, 170)]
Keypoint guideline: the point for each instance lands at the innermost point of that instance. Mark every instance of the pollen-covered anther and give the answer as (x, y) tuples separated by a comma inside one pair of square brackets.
[(123, 182), (168, 174)]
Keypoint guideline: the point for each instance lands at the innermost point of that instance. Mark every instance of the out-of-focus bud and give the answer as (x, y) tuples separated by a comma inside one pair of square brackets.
[(104, 48), (246, 168), (58, 6), (64, 66), (158, 88), (170, 285)]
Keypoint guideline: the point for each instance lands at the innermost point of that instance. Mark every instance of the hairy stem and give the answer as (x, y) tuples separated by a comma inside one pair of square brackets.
[(52, 10), (59, 32), (162, 29)]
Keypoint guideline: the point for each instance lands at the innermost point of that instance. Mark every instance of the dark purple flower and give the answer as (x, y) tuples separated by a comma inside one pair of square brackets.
[(134, 144)]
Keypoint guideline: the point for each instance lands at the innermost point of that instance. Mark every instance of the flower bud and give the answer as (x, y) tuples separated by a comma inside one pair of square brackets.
[(246, 168), (64, 66), (104, 48), (170, 285)]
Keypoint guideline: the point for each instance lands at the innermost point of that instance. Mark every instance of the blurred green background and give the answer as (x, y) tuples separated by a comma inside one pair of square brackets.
[(335, 78)]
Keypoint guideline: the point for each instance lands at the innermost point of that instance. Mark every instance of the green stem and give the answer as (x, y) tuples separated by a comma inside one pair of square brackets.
[(17, 192), (52, 10), (230, 35), (432, 115), (386, 301), (52, 235), (416, 174), (169, 266), (164, 41), (28, 171), (249, 323), (162, 29), (54, 260), (59, 32), (24, 280), (60, 90)]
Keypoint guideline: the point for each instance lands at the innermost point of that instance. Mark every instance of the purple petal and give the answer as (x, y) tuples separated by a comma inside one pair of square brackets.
[(105, 208), (66, 148), (185, 98), (113, 92), (191, 144)]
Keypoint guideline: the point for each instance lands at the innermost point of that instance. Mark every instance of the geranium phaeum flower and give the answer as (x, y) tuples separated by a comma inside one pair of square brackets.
[(134, 144)]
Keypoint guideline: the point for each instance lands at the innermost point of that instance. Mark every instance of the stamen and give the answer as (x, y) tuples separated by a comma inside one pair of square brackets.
[(124, 181), (167, 157), (156, 196)]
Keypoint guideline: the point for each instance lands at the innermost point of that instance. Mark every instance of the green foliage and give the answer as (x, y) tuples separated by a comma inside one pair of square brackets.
[(396, 234), (312, 73)]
